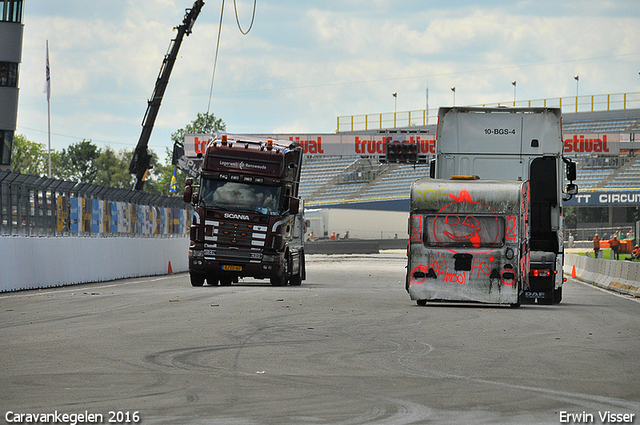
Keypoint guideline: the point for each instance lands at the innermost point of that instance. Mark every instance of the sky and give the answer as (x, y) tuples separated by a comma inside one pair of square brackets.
[(304, 63)]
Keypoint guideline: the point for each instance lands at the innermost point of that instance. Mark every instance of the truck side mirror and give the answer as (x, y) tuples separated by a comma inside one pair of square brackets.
[(572, 189), (294, 205), (432, 169), (572, 172), (188, 191)]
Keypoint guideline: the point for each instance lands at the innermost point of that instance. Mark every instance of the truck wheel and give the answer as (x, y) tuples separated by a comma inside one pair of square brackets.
[(283, 278), (226, 281), (212, 280), (557, 295), (296, 280), (421, 303), (280, 280), (196, 279)]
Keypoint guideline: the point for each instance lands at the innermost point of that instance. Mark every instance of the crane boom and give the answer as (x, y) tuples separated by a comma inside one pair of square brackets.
[(141, 158)]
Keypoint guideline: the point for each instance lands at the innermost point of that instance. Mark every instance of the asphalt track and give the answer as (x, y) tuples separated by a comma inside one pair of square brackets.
[(347, 347)]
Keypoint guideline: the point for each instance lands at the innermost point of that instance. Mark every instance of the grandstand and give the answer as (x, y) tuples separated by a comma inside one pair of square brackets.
[(328, 181)]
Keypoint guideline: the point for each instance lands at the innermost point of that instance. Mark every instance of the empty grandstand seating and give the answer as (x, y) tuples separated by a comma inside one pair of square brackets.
[(627, 177), (328, 180), (320, 176), (322, 179), (602, 125), (589, 178)]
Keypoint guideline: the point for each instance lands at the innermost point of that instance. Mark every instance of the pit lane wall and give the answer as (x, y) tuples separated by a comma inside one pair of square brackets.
[(620, 276), (43, 262)]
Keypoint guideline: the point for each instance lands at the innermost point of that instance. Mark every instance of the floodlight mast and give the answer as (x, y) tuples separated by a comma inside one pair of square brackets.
[(140, 162)]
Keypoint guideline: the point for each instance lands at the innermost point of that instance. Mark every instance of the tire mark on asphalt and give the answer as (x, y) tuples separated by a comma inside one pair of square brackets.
[(408, 360)]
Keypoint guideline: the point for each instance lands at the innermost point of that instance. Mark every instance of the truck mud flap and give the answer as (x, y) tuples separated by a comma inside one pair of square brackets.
[(543, 297)]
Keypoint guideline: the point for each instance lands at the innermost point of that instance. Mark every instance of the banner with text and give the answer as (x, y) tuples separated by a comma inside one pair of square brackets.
[(603, 198), (326, 144)]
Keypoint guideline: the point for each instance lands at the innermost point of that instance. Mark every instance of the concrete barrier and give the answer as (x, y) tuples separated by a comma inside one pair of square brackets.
[(342, 247), (353, 246), (620, 276), (41, 262)]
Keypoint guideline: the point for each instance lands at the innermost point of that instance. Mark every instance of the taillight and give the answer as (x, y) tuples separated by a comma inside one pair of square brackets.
[(540, 273)]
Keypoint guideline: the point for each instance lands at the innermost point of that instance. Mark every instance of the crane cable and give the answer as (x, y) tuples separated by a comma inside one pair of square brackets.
[(215, 60), (253, 17)]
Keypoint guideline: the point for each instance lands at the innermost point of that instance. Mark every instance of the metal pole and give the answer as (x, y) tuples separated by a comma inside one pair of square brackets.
[(48, 88), (427, 108)]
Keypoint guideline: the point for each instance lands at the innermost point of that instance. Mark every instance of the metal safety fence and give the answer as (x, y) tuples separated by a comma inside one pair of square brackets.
[(41, 206), (422, 117)]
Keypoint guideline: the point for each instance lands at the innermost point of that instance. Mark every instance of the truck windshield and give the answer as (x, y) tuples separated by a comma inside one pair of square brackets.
[(461, 230), (240, 196)]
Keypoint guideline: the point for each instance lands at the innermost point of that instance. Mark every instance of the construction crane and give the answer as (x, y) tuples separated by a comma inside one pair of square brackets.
[(140, 163)]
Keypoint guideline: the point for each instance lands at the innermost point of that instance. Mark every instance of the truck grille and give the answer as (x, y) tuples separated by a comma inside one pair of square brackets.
[(228, 241)]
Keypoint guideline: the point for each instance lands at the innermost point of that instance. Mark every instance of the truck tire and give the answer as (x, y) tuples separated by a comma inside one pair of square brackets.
[(421, 303), (196, 279), (557, 295), (296, 280), (226, 281), (283, 278)]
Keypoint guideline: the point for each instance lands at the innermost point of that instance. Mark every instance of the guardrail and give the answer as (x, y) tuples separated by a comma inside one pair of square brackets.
[(619, 276), (584, 103), (55, 233), (40, 206)]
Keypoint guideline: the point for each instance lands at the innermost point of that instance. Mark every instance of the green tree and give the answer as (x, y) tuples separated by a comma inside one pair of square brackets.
[(29, 157), (113, 169), (205, 123), (570, 217), (78, 162)]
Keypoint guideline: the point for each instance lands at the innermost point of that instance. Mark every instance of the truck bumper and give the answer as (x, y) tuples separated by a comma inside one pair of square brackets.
[(220, 268)]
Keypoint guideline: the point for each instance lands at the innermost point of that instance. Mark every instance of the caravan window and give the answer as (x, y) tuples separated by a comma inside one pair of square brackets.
[(464, 230)]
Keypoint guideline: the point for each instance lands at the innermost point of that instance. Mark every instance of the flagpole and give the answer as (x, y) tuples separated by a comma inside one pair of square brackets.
[(49, 132), (48, 88)]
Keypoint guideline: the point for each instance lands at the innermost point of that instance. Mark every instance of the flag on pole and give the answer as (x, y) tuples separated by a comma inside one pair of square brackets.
[(47, 86), (173, 186)]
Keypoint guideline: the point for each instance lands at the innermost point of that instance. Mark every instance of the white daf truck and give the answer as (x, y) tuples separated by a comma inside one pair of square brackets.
[(515, 144), (468, 240)]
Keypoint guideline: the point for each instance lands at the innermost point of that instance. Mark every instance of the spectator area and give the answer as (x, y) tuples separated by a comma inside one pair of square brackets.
[(328, 180)]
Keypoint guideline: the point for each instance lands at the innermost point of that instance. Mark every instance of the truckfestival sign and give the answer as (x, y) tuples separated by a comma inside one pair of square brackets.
[(327, 144), (355, 145), (580, 144)]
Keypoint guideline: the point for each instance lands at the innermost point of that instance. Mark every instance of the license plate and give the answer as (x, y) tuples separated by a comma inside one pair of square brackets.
[(232, 268)]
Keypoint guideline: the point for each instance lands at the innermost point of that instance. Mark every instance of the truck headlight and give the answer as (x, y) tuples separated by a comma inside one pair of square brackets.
[(270, 258)]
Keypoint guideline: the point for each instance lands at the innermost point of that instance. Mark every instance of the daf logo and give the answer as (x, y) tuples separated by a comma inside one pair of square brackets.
[(236, 216)]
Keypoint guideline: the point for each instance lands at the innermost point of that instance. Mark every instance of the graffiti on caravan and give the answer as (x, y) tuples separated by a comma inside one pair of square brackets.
[(592, 144)]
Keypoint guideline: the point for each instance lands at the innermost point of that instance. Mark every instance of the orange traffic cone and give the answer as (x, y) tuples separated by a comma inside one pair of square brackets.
[(573, 271), (170, 271)]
